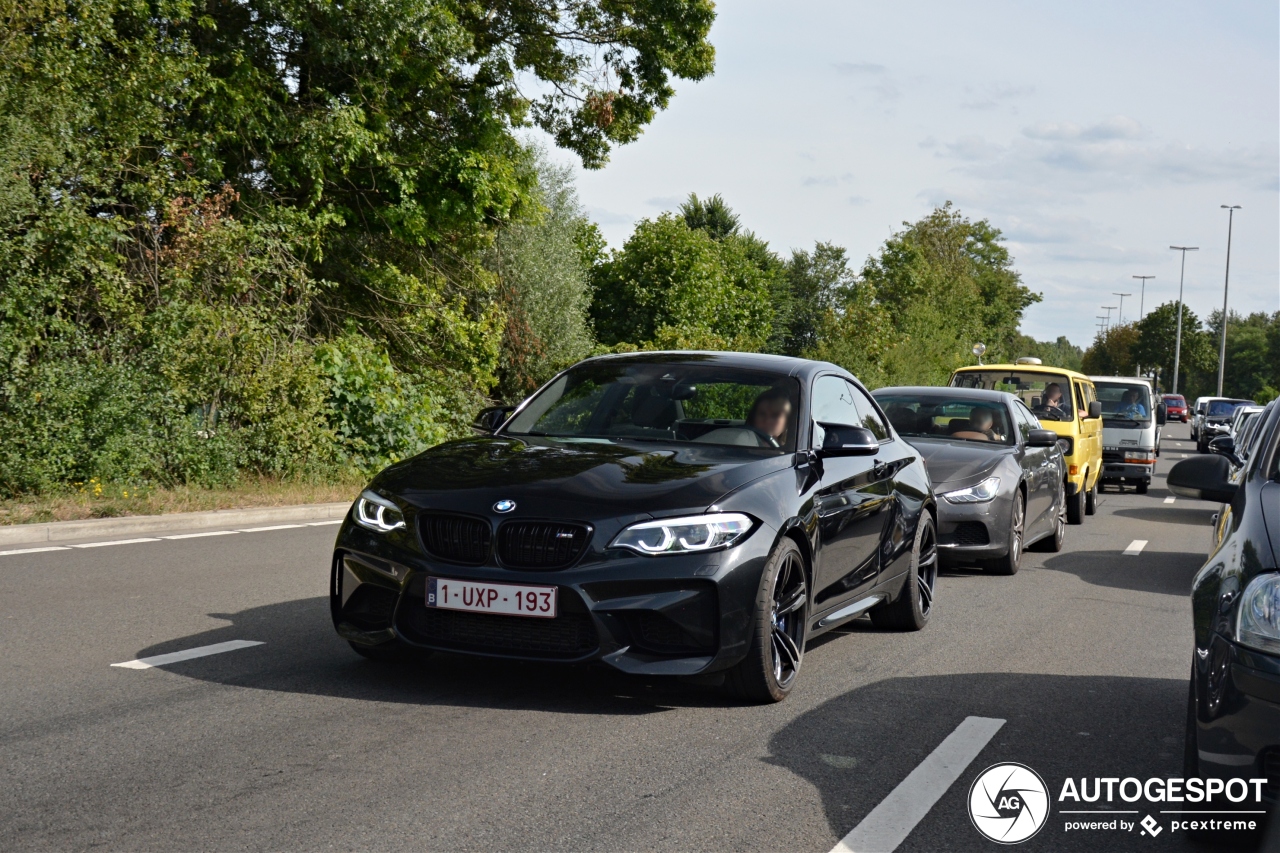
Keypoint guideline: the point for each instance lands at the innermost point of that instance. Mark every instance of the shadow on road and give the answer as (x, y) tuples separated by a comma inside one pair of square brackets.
[(1195, 516), (303, 655), (856, 748), (1163, 572)]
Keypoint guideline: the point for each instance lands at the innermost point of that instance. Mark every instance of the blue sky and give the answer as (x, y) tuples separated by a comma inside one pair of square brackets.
[(1093, 134)]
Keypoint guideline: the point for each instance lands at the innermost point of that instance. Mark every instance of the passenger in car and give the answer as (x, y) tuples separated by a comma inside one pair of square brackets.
[(983, 421)]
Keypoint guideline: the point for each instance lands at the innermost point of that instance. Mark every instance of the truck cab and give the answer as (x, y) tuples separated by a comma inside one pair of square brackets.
[(1063, 401), (1131, 421)]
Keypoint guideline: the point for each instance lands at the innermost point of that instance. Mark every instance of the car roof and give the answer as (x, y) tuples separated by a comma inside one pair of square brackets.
[(1027, 368), (784, 364), (1144, 380), (981, 394)]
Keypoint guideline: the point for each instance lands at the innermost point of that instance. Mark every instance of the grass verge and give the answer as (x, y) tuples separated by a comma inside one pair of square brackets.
[(100, 500)]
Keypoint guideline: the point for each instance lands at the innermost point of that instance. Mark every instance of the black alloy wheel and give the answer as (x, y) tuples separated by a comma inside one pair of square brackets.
[(1008, 564), (911, 610), (768, 672), (1054, 541)]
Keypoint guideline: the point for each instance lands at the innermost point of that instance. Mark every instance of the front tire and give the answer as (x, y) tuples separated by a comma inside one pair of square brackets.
[(1075, 508), (1091, 500), (1142, 487), (915, 603), (1008, 564), (769, 671), (1053, 543)]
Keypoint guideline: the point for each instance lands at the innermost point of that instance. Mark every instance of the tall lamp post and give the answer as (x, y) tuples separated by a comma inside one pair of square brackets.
[(1142, 300), (1120, 316), (1108, 309), (1177, 347), (1222, 348)]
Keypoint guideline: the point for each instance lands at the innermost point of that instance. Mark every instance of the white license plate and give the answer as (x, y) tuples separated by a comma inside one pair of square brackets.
[(507, 599)]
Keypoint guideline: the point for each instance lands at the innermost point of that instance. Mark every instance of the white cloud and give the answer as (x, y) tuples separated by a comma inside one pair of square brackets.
[(859, 68), (1116, 127)]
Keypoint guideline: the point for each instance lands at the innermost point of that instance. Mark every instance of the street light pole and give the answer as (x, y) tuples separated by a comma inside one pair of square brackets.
[(1120, 316), (1222, 348), (1142, 300), (1177, 347), (1108, 309)]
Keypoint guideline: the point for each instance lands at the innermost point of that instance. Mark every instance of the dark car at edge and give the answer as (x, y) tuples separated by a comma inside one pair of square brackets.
[(1233, 705), (670, 514), (998, 477)]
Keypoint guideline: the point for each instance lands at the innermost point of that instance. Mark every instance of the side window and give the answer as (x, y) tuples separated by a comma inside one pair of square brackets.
[(1082, 405), (870, 416), (1026, 421), (832, 404)]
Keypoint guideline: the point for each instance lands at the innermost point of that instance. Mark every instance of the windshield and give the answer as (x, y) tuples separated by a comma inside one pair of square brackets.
[(1218, 408), (944, 417), (638, 401), (1047, 395), (1125, 402)]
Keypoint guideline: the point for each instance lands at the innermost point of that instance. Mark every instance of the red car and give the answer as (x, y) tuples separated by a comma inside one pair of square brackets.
[(1176, 406)]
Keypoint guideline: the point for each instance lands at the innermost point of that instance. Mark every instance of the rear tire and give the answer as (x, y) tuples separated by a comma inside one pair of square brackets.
[(915, 603), (1075, 508), (772, 665), (1008, 564), (1091, 500)]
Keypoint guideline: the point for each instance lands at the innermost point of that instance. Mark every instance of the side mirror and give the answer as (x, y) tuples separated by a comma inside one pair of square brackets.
[(1042, 438), (1162, 413), (1205, 478), (490, 419), (848, 440), (1095, 410), (1225, 445)]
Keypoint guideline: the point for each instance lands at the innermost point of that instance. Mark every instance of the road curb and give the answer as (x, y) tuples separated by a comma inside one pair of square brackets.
[(58, 531)]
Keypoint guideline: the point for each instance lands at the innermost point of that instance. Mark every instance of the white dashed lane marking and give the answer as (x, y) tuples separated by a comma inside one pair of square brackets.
[(1170, 499), (116, 542), (1135, 547), (188, 654), (891, 822), (36, 550), (200, 535)]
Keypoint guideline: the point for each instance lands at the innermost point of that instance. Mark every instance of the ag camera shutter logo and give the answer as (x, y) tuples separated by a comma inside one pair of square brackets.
[(1008, 803)]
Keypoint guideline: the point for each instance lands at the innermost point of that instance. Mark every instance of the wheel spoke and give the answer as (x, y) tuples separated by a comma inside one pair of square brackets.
[(788, 647), (792, 603), (926, 594)]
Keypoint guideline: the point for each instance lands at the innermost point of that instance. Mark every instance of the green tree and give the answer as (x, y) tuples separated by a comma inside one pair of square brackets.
[(1157, 339), (1112, 352), (674, 286), (713, 216), (544, 271), (820, 286), (1060, 353)]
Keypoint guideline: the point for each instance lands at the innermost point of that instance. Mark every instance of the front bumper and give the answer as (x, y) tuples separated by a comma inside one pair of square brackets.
[(972, 532), (1127, 471), (668, 615), (1241, 738)]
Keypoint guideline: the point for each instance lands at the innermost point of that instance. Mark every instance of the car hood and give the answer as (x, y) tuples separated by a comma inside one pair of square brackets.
[(581, 479), (956, 463)]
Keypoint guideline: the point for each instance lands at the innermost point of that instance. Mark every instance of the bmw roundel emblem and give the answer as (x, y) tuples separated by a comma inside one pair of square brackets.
[(504, 506)]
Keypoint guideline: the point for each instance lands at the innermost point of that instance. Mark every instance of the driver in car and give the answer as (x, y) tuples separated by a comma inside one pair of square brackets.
[(983, 421), (1053, 398), (769, 415), (1131, 408)]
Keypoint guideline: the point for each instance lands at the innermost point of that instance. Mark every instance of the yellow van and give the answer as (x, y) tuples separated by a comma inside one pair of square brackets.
[(1064, 401)]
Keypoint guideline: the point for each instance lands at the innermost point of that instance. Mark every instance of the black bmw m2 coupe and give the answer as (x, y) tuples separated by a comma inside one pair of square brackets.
[(662, 513)]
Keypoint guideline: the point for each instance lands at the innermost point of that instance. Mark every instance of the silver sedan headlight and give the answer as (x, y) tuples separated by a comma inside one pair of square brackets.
[(984, 491), (684, 535), (1258, 625), (377, 513)]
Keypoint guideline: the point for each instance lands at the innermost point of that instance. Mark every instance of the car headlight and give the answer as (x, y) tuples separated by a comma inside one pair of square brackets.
[(1258, 623), (1143, 456), (984, 491), (684, 535), (377, 513)]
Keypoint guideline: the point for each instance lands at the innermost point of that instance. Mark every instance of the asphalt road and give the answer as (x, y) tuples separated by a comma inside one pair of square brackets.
[(299, 744)]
